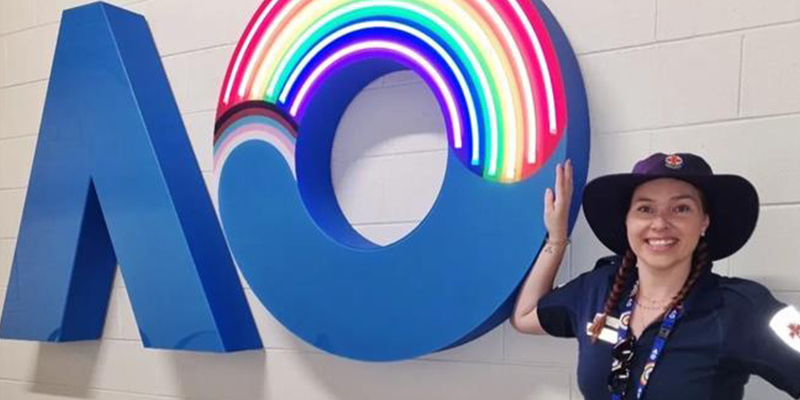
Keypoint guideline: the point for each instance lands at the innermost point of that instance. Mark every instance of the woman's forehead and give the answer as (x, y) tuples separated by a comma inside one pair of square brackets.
[(664, 189)]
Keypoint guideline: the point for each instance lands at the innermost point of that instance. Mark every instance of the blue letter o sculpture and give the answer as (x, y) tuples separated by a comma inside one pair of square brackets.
[(511, 93)]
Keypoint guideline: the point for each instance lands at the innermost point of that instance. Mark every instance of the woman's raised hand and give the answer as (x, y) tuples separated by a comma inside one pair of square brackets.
[(543, 272), (556, 207)]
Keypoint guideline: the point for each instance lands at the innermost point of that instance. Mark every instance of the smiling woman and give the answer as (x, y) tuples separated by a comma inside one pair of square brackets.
[(665, 224), (654, 322)]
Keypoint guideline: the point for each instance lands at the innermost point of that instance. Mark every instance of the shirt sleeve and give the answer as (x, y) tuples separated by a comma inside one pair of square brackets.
[(557, 310), (560, 310), (771, 347)]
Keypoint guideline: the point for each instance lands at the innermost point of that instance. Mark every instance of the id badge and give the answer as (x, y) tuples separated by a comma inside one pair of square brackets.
[(610, 332)]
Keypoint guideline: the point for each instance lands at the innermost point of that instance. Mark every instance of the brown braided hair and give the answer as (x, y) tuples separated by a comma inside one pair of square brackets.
[(700, 260), (620, 280)]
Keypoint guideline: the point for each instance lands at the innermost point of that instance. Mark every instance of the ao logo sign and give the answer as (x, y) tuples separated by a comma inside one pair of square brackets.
[(114, 180)]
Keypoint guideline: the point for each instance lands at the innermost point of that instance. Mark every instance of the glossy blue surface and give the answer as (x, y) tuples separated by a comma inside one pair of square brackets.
[(449, 281), (115, 179)]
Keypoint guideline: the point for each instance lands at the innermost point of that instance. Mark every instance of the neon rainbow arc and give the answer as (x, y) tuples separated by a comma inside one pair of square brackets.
[(492, 66)]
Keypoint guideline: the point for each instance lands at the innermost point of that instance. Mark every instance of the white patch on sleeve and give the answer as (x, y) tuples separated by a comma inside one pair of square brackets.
[(786, 324)]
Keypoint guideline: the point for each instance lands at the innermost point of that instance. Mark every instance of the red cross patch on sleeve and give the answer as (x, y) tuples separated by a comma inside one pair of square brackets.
[(794, 331), (786, 324)]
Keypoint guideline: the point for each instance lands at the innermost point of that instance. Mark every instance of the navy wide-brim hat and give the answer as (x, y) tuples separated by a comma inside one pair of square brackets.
[(731, 201)]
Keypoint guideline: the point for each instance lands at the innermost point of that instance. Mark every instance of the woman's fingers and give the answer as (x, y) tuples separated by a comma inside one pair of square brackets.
[(559, 198), (568, 170), (548, 200), (559, 184), (557, 201), (568, 185), (563, 185)]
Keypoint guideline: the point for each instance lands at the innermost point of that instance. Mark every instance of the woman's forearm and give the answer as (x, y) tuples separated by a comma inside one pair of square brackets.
[(538, 283), (543, 272)]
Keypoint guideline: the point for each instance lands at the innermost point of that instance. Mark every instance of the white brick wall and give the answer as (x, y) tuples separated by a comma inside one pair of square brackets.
[(21, 109), (718, 77), (770, 83)]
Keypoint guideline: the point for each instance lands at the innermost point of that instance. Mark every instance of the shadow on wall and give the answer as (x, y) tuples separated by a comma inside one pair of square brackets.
[(70, 371), (240, 375), (435, 380), (71, 363)]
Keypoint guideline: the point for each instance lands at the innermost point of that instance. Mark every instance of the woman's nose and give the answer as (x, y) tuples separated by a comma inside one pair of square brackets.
[(660, 221)]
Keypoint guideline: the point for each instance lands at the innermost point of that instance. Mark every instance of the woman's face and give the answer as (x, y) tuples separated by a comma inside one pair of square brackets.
[(665, 222)]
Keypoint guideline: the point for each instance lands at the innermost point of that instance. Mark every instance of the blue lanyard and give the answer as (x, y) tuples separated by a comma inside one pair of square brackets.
[(658, 345)]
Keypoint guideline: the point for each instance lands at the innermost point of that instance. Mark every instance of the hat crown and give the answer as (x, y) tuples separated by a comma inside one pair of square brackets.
[(676, 164)]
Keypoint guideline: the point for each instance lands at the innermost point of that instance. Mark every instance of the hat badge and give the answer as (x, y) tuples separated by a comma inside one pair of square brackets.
[(674, 161)]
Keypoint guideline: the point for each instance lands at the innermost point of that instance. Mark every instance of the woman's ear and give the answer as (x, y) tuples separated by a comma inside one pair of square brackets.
[(706, 223)]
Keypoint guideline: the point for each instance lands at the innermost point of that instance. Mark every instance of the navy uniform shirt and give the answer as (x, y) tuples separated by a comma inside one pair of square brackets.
[(722, 338)]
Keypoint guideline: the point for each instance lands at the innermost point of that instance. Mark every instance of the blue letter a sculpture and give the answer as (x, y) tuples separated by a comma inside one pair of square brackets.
[(115, 179)]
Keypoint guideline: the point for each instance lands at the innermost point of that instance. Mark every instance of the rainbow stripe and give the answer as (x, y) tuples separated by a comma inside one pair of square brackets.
[(254, 121), (491, 64)]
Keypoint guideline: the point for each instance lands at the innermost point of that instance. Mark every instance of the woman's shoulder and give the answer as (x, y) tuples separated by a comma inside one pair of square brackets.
[(606, 267), (603, 272), (592, 281), (746, 293)]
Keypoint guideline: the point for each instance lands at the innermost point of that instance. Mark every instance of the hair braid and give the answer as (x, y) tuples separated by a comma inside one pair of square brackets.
[(623, 273), (699, 262)]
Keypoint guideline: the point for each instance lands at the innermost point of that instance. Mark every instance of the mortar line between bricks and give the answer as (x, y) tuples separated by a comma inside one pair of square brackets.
[(780, 205), (511, 363), (613, 49), (58, 21), (699, 124), (655, 21), (741, 77), (12, 188), (35, 7), (18, 84), (657, 43), (25, 381), (166, 56), (198, 112), (29, 28), (18, 136)]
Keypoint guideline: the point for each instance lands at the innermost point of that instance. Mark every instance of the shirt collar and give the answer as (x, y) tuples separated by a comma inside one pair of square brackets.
[(703, 296)]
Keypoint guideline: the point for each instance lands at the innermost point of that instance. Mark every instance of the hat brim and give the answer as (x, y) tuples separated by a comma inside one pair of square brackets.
[(732, 207)]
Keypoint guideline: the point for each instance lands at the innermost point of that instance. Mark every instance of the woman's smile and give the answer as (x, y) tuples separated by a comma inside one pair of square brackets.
[(665, 222), (661, 244)]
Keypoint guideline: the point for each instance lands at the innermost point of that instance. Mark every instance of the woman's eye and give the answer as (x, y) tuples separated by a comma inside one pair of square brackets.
[(644, 209), (683, 208)]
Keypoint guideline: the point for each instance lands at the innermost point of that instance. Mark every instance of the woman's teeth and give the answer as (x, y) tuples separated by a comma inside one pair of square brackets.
[(660, 242)]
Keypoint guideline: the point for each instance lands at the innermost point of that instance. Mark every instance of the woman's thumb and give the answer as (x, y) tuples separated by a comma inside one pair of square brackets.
[(548, 199)]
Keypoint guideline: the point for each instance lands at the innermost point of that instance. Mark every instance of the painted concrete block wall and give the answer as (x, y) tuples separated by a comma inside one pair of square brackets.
[(716, 77)]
